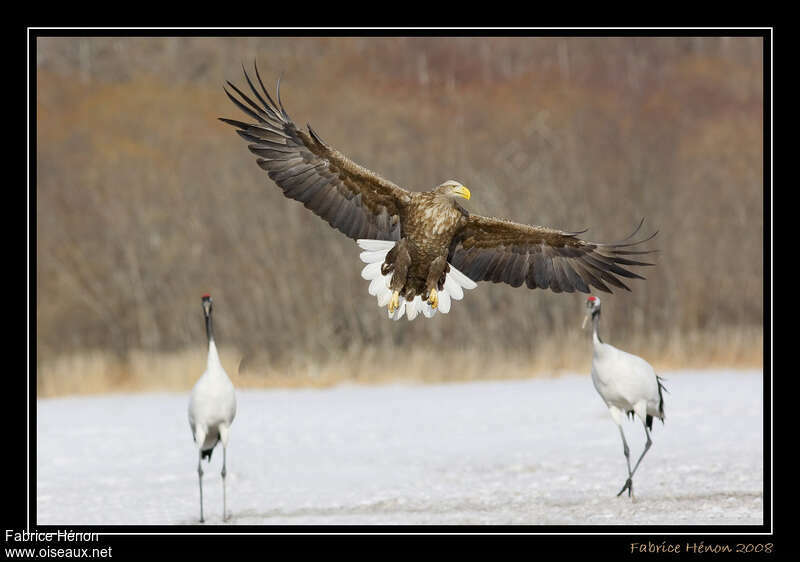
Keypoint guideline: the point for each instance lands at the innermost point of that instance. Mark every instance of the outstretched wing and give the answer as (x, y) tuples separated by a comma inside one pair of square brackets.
[(501, 251), (349, 197)]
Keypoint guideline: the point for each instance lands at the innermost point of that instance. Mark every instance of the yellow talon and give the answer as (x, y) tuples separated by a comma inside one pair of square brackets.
[(433, 298), (394, 303)]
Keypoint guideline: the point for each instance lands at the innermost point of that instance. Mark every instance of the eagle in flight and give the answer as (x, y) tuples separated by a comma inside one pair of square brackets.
[(422, 249)]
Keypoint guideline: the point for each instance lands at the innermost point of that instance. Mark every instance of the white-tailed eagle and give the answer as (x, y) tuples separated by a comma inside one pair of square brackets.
[(421, 248)]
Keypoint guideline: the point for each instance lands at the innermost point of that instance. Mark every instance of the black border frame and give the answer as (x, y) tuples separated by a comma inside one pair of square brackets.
[(136, 542)]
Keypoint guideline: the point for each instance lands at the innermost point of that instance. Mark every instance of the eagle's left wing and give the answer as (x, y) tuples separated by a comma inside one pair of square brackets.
[(501, 251), (352, 199)]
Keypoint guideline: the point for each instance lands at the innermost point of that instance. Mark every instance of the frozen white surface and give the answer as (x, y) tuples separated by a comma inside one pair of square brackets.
[(532, 452)]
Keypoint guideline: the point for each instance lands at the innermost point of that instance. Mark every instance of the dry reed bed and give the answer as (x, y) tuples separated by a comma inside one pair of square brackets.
[(101, 372)]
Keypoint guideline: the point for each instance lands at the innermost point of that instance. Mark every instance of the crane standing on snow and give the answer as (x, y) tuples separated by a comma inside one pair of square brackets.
[(627, 384), (212, 408)]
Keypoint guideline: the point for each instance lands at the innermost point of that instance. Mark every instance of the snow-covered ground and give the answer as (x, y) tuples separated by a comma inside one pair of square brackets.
[(540, 451)]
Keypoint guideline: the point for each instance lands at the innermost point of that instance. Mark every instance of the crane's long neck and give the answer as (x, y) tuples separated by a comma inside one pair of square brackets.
[(213, 355), (209, 329), (595, 323)]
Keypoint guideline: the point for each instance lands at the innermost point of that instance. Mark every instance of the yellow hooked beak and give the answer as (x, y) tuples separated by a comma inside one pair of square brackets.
[(462, 191)]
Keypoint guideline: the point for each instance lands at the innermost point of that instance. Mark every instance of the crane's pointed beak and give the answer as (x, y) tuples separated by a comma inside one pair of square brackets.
[(585, 318)]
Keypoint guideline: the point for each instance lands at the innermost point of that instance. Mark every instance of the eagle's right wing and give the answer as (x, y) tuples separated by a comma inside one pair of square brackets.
[(502, 251), (349, 197)]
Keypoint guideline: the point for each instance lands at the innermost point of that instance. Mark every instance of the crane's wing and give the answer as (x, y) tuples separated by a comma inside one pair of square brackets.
[(501, 251), (349, 197)]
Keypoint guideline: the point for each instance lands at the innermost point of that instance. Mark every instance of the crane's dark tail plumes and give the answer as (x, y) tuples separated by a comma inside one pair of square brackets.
[(661, 397), (649, 419), (206, 454)]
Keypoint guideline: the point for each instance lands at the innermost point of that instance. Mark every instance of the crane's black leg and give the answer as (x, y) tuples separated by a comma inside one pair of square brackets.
[(224, 492), (646, 447), (628, 483), (223, 436), (200, 481)]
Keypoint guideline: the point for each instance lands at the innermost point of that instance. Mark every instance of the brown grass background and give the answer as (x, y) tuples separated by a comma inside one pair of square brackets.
[(144, 201)]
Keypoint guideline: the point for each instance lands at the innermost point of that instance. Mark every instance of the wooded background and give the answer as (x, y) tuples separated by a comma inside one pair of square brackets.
[(144, 200)]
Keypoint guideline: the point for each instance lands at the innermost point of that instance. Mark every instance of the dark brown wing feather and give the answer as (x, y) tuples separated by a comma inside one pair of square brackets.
[(501, 251), (349, 197)]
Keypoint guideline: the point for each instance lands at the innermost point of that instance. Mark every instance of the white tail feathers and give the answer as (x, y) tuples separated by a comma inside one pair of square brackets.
[(373, 255), (375, 245)]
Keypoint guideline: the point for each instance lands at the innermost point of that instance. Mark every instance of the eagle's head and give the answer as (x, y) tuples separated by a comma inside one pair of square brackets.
[(453, 189)]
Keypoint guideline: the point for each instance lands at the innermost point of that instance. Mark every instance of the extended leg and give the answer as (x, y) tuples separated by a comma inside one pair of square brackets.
[(628, 483), (224, 493), (402, 261), (223, 435), (200, 481), (435, 273), (646, 447), (641, 411)]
